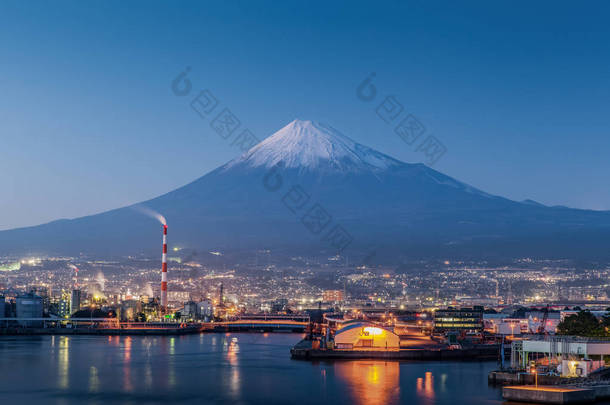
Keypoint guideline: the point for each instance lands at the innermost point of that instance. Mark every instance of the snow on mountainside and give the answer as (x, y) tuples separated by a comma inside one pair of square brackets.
[(309, 145), (313, 146)]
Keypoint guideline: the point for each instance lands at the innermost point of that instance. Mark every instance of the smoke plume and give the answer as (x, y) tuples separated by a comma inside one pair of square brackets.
[(150, 212)]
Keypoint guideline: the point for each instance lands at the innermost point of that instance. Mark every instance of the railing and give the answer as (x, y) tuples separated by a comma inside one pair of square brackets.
[(260, 322), (299, 318), (98, 323), (566, 338)]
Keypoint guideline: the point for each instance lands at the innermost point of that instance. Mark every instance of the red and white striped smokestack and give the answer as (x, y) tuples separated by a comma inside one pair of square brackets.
[(164, 271)]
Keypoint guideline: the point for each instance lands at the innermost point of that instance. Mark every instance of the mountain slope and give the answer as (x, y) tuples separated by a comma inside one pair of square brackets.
[(267, 198)]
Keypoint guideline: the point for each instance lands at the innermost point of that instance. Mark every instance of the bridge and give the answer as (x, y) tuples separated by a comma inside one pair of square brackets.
[(254, 325), (249, 323)]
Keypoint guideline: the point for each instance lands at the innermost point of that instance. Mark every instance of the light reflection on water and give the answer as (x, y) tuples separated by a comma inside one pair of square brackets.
[(234, 368), (94, 381), (127, 386), (425, 386), (371, 382), (232, 349), (63, 362), (172, 362)]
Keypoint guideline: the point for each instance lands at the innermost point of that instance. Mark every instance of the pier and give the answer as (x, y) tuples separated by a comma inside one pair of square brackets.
[(411, 347), (556, 395), (478, 353)]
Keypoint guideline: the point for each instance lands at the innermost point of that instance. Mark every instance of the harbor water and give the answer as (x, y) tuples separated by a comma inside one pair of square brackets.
[(221, 369)]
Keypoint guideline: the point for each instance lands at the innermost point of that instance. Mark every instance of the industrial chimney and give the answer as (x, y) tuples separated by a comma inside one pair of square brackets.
[(164, 271)]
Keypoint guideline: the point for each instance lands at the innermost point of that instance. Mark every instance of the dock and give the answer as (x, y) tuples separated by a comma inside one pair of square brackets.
[(556, 395), (500, 377), (304, 351)]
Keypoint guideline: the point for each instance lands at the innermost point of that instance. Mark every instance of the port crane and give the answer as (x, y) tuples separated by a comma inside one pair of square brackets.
[(545, 317)]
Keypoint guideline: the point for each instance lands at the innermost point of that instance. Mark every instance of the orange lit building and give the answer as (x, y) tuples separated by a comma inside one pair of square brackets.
[(332, 296), (366, 336)]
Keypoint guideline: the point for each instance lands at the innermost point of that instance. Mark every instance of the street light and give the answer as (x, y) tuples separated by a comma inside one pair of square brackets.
[(533, 370)]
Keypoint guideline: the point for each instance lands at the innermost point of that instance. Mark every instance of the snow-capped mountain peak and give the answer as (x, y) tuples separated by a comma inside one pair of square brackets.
[(312, 145)]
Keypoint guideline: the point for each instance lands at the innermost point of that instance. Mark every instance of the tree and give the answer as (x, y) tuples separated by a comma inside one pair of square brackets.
[(606, 322), (584, 323)]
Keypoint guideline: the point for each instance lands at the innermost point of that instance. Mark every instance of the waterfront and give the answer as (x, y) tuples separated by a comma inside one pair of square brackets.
[(221, 368)]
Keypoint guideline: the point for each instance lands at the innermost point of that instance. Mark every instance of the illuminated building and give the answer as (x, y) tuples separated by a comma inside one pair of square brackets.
[(63, 307), (332, 296), (464, 319), (366, 336)]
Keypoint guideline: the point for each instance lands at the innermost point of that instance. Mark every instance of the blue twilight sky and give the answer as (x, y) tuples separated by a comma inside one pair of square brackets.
[(518, 92)]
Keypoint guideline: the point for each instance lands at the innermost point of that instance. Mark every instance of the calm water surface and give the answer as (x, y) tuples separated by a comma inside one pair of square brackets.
[(224, 369)]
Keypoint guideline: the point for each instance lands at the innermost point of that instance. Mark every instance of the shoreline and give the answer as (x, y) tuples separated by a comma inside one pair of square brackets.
[(98, 332)]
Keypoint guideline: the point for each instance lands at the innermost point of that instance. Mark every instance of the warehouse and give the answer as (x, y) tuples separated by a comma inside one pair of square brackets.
[(366, 336)]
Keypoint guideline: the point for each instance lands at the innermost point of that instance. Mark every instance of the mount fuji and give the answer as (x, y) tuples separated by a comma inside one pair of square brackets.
[(309, 188)]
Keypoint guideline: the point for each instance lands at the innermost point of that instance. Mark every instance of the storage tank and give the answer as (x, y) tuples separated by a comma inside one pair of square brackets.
[(75, 301), (29, 306)]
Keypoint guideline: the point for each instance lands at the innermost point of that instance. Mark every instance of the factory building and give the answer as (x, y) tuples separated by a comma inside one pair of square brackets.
[(129, 310), (29, 306), (366, 336), (570, 355), (459, 320), (151, 308), (205, 309), (531, 322), (190, 310), (197, 310), (507, 326)]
